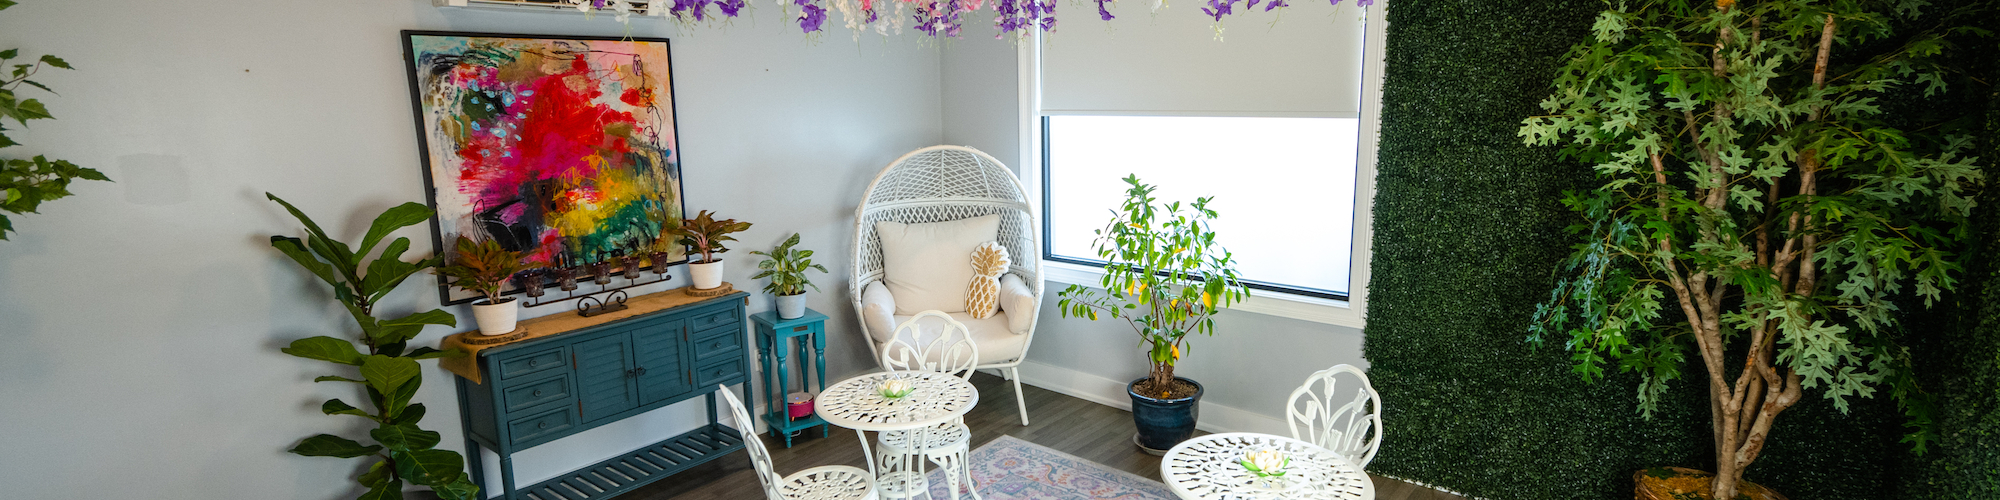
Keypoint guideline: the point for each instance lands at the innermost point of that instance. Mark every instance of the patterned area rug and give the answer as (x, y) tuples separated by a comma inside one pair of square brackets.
[(1009, 468)]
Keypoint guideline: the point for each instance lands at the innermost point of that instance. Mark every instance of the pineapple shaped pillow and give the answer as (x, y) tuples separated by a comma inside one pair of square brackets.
[(982, 296)]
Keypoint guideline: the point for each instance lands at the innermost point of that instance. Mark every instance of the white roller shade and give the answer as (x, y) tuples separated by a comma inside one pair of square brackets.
[(1309, 64)]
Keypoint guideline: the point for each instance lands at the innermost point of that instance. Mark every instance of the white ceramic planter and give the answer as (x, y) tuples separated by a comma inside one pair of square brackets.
[(791, 306), (497, 319), (706, 275)]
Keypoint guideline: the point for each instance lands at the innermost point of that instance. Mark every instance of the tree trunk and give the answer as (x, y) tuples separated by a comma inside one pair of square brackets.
[(1162, 377)]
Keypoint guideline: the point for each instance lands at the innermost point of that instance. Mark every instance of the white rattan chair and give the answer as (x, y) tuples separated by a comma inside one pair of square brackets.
[(831, 482), (1353, 430), (947, 183), (951, 352)]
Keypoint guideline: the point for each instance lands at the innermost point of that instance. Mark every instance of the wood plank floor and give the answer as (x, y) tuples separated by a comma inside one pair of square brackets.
[(1089, 430)]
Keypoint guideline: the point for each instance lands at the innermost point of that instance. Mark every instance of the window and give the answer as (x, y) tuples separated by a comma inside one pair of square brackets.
[(1278, 123), (1284, 188)]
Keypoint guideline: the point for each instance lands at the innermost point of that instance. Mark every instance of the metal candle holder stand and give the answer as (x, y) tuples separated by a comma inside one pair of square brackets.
[(589, 304)]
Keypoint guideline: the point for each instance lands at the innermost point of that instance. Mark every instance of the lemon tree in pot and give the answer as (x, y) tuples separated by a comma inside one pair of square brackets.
[(704, 234), (483, 266), (787, 269), (1167, 278)]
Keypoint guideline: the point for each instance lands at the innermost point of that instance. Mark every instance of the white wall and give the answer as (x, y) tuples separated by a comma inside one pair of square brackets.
[(140, 321)]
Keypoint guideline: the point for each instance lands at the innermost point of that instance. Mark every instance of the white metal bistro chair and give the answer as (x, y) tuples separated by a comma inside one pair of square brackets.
[(1353, 429), (830, 482), (951, 352), (951, 183)]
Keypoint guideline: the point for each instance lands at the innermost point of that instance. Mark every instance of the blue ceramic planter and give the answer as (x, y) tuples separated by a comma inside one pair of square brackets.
[(1163, 423)]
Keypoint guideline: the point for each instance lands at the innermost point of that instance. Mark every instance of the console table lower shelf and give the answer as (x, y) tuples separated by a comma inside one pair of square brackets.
[(626, 472)]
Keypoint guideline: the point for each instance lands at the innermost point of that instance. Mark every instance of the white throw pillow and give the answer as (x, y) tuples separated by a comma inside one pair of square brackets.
[(925, 265)]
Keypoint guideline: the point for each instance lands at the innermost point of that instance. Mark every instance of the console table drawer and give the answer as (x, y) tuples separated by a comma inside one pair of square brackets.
[(532, 363), (530, 394), (708, 345), (716, 373), (706, 321), (547, 424)]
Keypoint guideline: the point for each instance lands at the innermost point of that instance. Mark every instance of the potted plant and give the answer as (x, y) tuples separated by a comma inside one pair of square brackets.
[(483, 266), (1756, 202), (705, 235), (787, 269), (386, 369), (1166, 277)]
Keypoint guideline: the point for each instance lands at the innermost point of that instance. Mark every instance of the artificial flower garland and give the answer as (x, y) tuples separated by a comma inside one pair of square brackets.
[(937, 18)]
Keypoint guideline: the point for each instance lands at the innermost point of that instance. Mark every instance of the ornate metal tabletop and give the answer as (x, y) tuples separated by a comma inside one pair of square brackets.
[(1207, 468), (934, 398)]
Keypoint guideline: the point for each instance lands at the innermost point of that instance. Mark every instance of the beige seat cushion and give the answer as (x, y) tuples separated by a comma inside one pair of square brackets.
[(927, 266), (997, 343)]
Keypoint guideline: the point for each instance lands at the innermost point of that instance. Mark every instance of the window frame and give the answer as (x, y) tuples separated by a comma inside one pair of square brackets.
[(1348, 311)]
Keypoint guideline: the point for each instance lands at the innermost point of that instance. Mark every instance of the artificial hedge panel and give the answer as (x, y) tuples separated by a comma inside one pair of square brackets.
[(1467, 229)]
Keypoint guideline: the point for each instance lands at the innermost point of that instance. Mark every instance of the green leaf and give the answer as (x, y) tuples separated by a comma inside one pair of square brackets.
[(460, 489), (328, 445), (397, 217), (9, 53), (333, 250), (338, 407), (388, 374), (428, 466), (55, 61), (405, 437), (296, 249), (388, 270), (411, 414), (395, 402), (337, 378), (325, 349), (377, 475), (392, 489), (430, 353)]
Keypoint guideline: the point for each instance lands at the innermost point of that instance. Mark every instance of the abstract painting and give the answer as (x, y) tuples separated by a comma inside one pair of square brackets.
[(561, 148)]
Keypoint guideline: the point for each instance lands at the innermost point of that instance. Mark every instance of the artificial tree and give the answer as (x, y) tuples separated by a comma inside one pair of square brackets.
[(388, 372), (26, 183), (1746, 168), (1164, 275)]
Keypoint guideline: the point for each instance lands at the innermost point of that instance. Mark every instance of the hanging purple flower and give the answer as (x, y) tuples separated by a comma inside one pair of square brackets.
[(1103, 12), (1219, 8), (811, 16), (730, 7), (1274, 4)]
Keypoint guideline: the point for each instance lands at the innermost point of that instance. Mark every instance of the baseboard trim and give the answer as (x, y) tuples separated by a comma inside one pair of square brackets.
[(1108, 392)]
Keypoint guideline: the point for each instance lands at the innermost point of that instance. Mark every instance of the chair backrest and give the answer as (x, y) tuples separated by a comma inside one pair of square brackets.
[(1353, 429), (760, 458), (951, 351), (945, 183)]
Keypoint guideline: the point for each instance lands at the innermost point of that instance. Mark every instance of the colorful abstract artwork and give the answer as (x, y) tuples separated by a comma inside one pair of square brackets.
[(561, 148)]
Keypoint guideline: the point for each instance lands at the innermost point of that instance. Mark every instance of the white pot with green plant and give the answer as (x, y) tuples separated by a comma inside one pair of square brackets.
[(705, 235), (483, 266), (787, 269), (1166, 277)]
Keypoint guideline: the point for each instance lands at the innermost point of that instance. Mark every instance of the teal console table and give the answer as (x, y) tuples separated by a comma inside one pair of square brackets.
[(773, 336), (563, 374)]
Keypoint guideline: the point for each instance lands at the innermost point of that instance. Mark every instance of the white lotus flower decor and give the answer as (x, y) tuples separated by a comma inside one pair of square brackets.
[(894, 388), (1266, 463)]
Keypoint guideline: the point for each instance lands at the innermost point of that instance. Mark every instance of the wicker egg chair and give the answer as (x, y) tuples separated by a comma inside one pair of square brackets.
[(940, 184)]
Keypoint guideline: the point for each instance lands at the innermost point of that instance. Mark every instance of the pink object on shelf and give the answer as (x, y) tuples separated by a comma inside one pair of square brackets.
[(799, 405)]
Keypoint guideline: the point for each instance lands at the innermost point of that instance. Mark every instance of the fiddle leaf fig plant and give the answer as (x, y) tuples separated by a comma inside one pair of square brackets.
[(387, 371), (1164, 275), (26, 183), (1756, 203), (787, 268)]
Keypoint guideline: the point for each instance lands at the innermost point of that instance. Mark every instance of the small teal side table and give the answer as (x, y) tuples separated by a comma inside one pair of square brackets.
[(772, 337)]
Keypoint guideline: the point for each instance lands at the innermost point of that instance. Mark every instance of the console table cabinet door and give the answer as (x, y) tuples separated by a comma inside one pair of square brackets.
[(662, 361), (604, 376)]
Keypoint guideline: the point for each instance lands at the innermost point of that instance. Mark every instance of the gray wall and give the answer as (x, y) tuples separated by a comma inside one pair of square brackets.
[(140, 321)]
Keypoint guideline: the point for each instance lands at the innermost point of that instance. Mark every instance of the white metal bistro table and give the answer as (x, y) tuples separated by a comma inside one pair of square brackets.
[(1206, 468), (934, 398)]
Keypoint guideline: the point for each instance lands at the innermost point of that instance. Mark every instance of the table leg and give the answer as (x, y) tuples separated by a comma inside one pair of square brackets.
[(507, 477), (864, 452)]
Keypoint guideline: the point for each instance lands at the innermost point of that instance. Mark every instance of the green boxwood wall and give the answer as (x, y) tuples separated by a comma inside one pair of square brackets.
[(1467, 230)]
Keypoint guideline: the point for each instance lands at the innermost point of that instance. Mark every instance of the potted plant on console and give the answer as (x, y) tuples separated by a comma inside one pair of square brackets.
[(705, 235), (1166, 277), (483, 266), (787, 269)]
